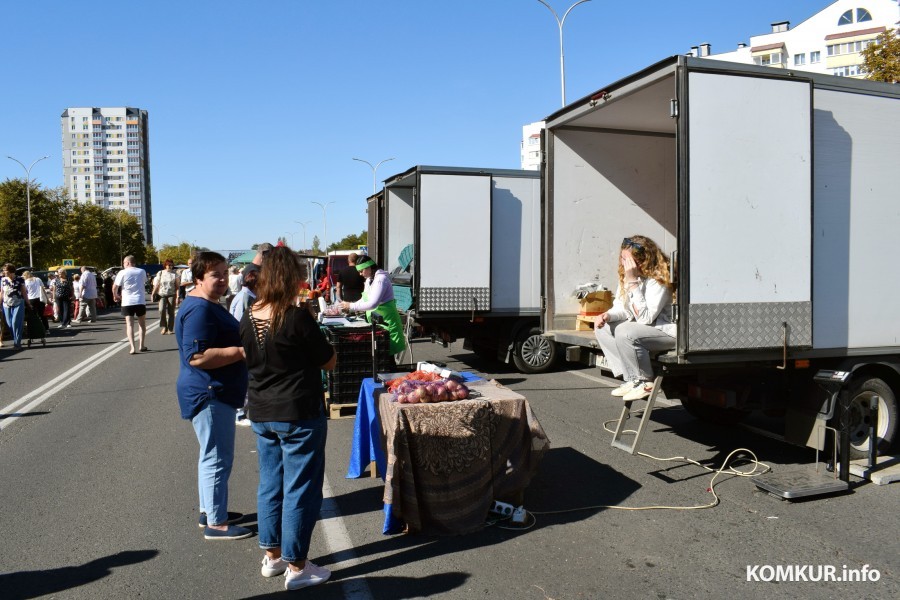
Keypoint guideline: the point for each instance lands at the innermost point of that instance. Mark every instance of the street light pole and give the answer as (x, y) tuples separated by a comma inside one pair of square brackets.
[(28, 202), (375, 169), (303, 224), (562, 60), (324, 224)]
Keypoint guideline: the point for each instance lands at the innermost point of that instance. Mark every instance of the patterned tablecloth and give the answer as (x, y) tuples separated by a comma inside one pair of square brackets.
[(447, 462)]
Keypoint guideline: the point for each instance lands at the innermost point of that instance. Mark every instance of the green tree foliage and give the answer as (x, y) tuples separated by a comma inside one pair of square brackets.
[(179, 254), (316, 246), (881, 60), (48, 211), (350, 242), (60, 228)]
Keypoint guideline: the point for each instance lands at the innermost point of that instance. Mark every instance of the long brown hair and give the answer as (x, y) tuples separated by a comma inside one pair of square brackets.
[(280, 276), (653, 262)]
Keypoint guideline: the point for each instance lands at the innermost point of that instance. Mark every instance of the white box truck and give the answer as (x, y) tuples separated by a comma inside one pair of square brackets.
[(463, 246), (776, 192)]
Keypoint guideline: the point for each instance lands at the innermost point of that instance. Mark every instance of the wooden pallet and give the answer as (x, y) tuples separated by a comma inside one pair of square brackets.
[(584, 323), (342, 411)]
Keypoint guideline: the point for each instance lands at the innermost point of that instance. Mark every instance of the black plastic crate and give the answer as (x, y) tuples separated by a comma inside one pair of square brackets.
[(344, 389), (353, 347)]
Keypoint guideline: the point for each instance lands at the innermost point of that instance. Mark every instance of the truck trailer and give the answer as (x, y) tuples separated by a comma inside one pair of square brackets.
[(775, 193), (463, 249)]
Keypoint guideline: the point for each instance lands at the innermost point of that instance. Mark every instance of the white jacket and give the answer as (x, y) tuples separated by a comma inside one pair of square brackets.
[(648, 303)]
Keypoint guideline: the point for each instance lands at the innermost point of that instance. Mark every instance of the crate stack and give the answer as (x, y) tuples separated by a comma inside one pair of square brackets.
[(354, 363), (592, 305)]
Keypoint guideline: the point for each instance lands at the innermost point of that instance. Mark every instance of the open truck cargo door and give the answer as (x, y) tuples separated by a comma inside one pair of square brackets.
[(746, 221), (454, 211)]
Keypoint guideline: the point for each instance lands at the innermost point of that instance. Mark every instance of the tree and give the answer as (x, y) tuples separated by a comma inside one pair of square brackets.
[(48, 211), (350, 242), (179, 254), (881, 60), (316, 245)]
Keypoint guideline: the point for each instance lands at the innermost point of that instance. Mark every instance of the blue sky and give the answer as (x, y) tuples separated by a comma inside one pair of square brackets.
[(257, 107)]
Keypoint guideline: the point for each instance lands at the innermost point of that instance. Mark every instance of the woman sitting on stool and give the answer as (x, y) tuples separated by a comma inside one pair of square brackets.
[(640, 320)]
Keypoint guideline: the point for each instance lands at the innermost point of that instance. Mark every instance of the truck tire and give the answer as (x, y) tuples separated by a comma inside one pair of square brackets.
[(861, 416), (713, 414), (534, 353)]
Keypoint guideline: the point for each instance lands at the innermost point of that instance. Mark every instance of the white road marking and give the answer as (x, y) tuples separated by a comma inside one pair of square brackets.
[(340, 546), (36, 397)]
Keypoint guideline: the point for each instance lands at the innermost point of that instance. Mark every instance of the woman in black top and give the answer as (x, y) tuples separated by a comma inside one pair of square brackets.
[(286, 352), (62, 294)]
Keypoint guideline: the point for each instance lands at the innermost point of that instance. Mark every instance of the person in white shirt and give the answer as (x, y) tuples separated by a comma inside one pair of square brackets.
[(640, 320), (187, 281), (166, 285), (235, 281), (87, 297), (129, 290), (37, 296)]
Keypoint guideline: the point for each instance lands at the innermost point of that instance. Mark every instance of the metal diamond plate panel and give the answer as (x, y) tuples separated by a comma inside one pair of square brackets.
[(749, 325), (455, 299)]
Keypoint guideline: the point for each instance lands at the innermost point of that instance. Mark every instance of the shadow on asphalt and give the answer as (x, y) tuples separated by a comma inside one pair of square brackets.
[(28, 414), (585, 482), (32, 584), (396, 588)]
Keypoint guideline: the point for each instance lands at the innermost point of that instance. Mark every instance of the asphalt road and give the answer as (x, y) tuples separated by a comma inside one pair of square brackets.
[(98, 500)]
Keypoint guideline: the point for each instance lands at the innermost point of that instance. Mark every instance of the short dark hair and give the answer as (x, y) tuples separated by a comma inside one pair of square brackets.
[(203, 262), (168, 262)]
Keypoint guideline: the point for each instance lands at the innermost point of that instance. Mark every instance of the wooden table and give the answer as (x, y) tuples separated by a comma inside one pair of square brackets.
[(447, 462)]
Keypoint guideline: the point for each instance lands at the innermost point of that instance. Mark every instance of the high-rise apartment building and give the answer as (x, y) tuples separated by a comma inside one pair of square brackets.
[(530, 155), (106, 160), (829, 41)]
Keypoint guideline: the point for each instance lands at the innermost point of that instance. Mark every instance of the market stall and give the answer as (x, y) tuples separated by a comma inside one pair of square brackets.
[(444, 463)]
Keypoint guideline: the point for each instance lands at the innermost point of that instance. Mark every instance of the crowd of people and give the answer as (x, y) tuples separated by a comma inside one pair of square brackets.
[(27, 302), (250, 353)]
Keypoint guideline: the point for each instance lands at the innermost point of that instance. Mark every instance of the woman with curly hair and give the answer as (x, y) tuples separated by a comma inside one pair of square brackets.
[(640, 320), (286, 352)]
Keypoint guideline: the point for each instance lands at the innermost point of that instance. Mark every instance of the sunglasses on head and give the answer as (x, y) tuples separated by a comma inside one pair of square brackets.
[(630, 243)]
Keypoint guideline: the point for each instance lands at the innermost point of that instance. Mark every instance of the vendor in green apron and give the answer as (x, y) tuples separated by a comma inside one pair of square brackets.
[(378, 297)]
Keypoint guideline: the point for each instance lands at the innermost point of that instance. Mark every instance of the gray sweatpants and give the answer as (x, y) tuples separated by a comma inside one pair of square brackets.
[(627, 346)]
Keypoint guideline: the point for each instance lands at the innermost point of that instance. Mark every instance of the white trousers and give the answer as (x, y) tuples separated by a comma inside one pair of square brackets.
[(628, 345)]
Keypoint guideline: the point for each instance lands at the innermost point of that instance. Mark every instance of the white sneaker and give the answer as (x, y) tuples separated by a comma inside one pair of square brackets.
[(273, 567), (642, 390), (624, 388), (312, 574)]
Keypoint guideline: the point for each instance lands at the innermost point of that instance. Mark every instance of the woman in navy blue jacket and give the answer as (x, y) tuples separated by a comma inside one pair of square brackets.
[(211, 387)]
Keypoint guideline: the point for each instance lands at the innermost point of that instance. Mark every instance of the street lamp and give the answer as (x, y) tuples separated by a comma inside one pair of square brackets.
[(303, 224), (324, 224), (292, 237), (375, 168), (562, 61), (28, 201)]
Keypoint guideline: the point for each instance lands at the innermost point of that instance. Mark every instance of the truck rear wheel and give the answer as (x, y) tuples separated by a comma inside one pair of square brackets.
[(861, 416), (534, 353)]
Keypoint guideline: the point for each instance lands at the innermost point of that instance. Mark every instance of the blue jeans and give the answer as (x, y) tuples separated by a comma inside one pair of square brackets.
[(214, 426), (62, 308), (291, 475), (15, 316)]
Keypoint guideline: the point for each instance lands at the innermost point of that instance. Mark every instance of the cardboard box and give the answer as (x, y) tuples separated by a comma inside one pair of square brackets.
[(596, 303)]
